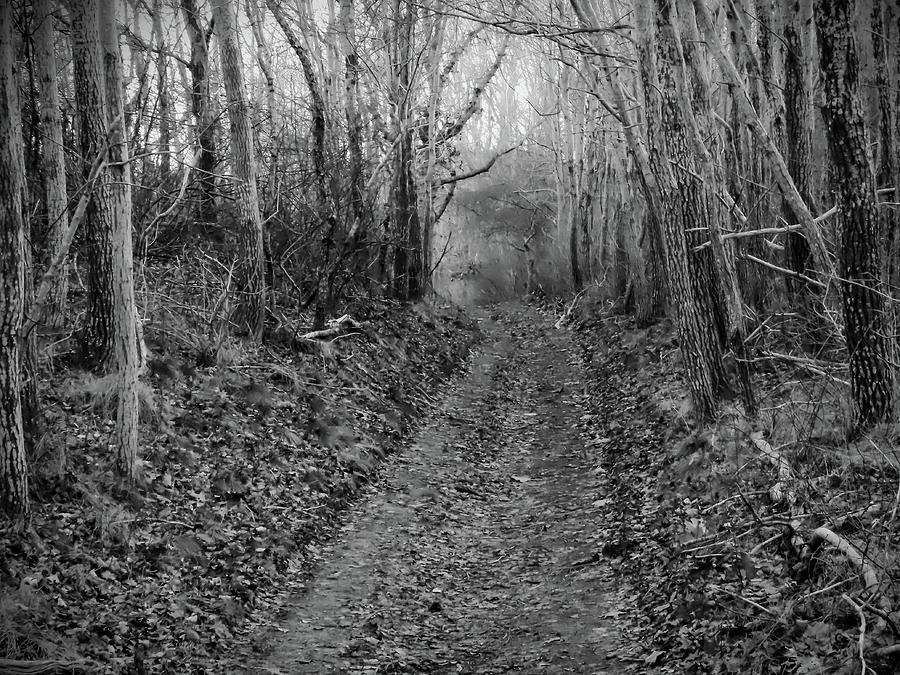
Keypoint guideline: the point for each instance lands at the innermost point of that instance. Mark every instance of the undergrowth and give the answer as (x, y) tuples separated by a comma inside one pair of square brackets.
[(763, 545), (249, 453)]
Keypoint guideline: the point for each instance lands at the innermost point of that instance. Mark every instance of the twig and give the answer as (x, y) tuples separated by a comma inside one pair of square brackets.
[(770, 230), (484, 168), (45, 667), (890, 650), (829, 587), (883, 615), (783, 270), (184, 184), (559, 323), (761, 545), (862, 632), (711, 507), (809, 364), (155, 521), (747, 600)]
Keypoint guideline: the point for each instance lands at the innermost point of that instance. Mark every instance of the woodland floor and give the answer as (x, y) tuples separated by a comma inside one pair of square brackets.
[(365, 507), (478, 548)]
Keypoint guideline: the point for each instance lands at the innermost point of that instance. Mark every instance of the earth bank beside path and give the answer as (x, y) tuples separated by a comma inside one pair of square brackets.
[(479, 549)]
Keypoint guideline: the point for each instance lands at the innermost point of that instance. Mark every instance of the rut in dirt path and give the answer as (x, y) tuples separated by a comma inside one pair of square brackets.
[(476, 551)]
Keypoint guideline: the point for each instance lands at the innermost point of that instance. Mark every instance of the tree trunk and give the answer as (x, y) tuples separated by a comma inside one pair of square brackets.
[(684, 208), (405, 225), (643, 151), (886, 170), (435, 48), (250, 277), (162, 81), (699, 129), (863, 304), (798, 125), (264, 59), (97, 341), (201, 105), (52, 156), (13, 469), (125, 357)]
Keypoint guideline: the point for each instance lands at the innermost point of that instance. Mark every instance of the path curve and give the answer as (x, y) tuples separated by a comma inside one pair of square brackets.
[(477, 551)]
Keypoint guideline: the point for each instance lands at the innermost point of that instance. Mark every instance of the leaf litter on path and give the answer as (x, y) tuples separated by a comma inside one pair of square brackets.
[(479, 548)]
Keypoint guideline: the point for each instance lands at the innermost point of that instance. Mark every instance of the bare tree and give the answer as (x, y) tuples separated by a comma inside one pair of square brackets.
[(52, 154), (251, 281), (13, 470), (125, 357), (202, 108), (854, 181)]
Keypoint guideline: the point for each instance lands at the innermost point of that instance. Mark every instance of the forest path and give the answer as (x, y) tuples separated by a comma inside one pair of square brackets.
[(476, 550)]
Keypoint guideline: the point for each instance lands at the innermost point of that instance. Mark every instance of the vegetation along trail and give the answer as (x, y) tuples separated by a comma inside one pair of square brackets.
[(242, 424), (477, 550)]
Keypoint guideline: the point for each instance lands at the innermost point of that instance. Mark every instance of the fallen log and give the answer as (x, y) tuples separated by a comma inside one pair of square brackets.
[(336, 328), (822, 535)]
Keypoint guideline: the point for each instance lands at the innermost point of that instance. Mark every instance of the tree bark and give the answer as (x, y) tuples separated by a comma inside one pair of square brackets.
[(164, 113), (405, 224), (52, 156), (201, 106), (644, 153), (264, 59), (97, 340), (696, 286), (125, 357), (863, 304), (435, 47), (13, 469), (886, 171), (699, 128), (798, 126), (251, 284), (769, 150)]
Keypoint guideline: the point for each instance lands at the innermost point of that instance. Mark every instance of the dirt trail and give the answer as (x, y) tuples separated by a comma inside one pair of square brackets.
[(477, 549)]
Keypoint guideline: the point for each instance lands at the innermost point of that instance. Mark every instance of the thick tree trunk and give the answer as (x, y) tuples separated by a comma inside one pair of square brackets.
[(860, 269), (683, 208), (52, 156), (406, 227), (97, 341), (13, 469), (250, 278), (699, 129)]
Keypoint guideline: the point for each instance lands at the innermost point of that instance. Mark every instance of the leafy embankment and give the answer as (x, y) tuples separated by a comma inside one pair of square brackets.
[(719, 527), (249, 453)]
